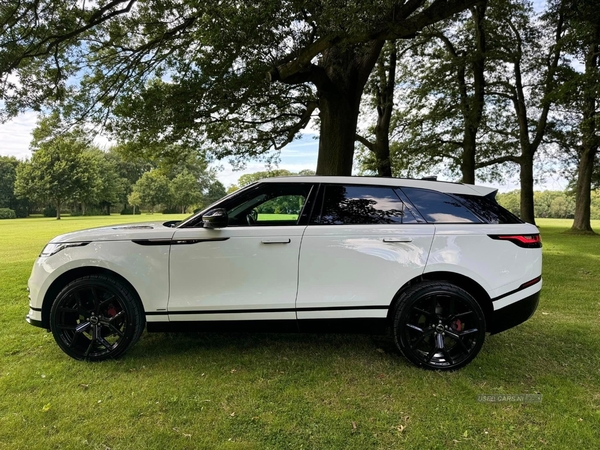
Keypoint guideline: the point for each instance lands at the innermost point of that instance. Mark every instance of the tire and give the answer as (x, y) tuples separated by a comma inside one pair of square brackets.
[(438, 326), (96, 318)]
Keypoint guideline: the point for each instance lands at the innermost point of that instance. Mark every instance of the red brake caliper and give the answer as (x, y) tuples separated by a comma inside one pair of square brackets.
[(457, 325), (112, 312)]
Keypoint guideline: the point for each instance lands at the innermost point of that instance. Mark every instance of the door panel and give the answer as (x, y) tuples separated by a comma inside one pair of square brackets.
[(246, 273), (350, 271)]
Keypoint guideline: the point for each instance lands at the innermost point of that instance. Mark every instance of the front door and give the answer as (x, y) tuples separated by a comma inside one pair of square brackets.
[(246, 271)]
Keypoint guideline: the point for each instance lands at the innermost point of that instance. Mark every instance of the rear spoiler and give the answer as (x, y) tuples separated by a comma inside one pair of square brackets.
[(485, 191)]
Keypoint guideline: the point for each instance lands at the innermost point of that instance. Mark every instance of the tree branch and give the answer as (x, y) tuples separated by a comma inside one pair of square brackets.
[(401, 26)]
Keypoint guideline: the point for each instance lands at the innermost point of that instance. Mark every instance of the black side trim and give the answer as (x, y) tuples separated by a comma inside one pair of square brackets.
[(276, 326), (514, 314), (35, 309), (369, 325), (529, 283), (244, 311), (152, 242)]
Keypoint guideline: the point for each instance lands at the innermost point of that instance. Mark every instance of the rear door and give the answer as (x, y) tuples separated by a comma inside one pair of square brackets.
[(361, 246)]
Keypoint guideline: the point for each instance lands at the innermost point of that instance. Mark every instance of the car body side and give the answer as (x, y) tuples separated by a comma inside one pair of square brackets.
[(365, 270)]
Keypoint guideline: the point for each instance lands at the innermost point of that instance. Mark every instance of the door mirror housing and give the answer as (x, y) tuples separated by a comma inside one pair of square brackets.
[(215, 218)]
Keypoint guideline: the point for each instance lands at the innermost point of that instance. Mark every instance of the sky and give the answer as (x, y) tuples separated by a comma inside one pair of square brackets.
[(15, 136)]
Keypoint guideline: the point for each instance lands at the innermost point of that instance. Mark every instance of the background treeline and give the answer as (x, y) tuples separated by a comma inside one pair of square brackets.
[(549, 204), (67, 174)]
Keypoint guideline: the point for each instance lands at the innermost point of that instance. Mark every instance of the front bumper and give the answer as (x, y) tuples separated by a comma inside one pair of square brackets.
[(34, 317)]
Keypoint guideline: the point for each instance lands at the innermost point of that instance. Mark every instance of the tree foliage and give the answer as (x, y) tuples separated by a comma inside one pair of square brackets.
[(8, 167), (58, 172), (244, 77), (153, 189)]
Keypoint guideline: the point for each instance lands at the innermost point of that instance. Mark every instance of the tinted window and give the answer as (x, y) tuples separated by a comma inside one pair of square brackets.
[(488, 209), (362, 205), (437, 207)]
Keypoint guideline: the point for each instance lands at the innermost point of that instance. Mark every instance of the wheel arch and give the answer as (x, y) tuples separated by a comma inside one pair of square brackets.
[(462, 281), (65, 278)]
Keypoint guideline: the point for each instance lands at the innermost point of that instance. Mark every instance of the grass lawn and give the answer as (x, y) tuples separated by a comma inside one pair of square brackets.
[(241, 391)]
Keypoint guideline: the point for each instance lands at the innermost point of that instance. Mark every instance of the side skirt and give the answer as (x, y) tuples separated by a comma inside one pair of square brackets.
[(361, 326)]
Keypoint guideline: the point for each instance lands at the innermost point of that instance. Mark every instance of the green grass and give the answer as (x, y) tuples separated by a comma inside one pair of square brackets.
[(242, 391)]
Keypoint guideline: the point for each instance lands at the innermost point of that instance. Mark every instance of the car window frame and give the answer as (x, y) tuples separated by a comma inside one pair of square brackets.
[(317, 211), (228, 201)]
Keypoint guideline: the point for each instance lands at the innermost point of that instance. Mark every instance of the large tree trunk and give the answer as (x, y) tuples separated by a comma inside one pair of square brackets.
[(467, 162), (339, 115), (526, 176), (385, 107), (582, 221), (472, 106), (58, 210), (340, 80), (589, 141)]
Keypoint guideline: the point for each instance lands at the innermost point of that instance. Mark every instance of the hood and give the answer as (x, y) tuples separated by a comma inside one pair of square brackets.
[(126, 232)]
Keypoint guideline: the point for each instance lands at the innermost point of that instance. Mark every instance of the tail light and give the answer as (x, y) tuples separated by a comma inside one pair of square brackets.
[(522, 240)]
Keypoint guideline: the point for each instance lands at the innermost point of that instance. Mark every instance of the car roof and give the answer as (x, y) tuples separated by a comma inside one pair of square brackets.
[(440, 186)]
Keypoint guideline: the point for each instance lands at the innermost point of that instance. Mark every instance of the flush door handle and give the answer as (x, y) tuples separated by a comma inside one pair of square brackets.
[(276, 241), (398, 239)]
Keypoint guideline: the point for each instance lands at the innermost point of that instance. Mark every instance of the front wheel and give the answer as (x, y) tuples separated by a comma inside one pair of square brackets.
[(438, 326), (96, 318)]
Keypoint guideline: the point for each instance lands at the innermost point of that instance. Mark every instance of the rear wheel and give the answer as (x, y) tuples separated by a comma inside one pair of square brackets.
[(96, 318), (439, 326)]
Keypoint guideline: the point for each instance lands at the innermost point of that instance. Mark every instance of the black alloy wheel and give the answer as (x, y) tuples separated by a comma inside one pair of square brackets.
[(96, 318), (439, 326)]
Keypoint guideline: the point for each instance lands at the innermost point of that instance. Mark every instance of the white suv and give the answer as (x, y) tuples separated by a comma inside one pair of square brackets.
[(439, 264)]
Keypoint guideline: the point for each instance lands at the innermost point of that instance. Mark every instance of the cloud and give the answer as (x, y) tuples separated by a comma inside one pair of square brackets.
[(15, 135), (296, 156)]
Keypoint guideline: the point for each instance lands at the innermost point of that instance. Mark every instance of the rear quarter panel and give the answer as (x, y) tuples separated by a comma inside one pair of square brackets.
[(498, 266)]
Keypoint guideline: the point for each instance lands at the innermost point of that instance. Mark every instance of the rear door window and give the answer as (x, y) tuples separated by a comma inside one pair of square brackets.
[(355, 204)]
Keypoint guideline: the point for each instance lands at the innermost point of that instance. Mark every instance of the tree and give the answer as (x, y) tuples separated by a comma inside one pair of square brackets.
[(8, 174), (533, 77), (185, 191), (134, 200), (215, 192), (7, 180), (57, 173), (442, 114), (110, 187), (215, 56), (152, 189), (584, 41), (382, 88)]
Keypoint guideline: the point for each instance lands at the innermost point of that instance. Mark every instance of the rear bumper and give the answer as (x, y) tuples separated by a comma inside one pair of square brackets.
[(515, 313)]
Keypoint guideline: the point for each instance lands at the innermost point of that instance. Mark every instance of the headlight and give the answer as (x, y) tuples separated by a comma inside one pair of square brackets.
[(51, 249)]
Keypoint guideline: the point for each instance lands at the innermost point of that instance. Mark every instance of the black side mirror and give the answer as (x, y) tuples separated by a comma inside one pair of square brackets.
[(215, 218)]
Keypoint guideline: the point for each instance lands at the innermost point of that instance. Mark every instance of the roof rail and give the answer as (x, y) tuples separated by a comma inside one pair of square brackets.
[(430, 178)]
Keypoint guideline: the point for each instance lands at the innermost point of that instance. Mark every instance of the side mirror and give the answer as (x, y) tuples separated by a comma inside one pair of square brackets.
[(215, 218)]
